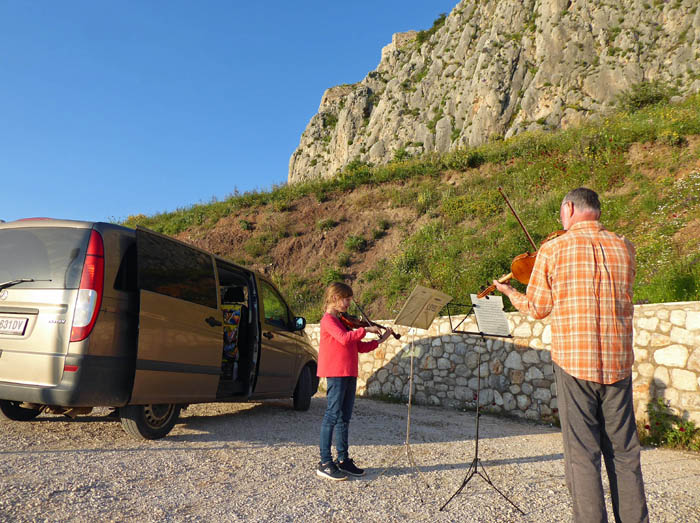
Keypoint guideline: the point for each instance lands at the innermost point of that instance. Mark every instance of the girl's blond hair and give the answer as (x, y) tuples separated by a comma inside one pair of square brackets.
[(334, 291)]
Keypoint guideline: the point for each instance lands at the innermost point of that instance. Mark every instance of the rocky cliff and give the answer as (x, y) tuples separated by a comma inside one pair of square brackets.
[(494, 68)]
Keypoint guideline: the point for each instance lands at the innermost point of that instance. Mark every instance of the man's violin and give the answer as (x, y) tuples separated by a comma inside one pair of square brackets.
[(520, 268), (522, 265)]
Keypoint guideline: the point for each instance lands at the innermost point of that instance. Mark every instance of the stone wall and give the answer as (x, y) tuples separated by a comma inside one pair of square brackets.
[(517, 376)]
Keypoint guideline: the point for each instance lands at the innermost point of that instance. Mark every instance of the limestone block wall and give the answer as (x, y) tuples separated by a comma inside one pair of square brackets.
[(516, 374)]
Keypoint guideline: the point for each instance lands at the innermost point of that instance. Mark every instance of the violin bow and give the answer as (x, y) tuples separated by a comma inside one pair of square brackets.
[(519, 220), (370, 322), (364, 314)]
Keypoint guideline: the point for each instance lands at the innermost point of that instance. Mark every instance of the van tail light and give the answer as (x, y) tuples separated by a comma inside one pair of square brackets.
[(87, 305)]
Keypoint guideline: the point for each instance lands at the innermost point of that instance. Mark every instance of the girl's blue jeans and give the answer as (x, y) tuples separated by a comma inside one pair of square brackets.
[(341, 399)]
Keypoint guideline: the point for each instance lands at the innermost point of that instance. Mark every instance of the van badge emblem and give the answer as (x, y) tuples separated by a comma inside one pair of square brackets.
[(3, 294)]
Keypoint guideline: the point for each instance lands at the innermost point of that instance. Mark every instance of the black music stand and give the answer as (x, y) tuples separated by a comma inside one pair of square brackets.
[(418, 312), (498, 324)]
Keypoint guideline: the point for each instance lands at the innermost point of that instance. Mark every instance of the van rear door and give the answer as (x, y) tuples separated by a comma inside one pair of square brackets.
[(40, 269), (180, 329)]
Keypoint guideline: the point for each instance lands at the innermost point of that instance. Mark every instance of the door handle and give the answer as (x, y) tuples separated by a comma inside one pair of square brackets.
[(268, 335), (213, 322)]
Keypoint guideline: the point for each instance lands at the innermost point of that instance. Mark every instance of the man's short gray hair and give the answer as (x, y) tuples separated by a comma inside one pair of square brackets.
[(583, 198)]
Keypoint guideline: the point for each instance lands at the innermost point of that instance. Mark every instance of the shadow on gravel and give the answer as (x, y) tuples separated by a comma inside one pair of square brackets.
[(379, 423), (400, 467)]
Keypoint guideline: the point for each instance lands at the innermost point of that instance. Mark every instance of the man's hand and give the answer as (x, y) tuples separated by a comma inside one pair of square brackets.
[(504, 288)]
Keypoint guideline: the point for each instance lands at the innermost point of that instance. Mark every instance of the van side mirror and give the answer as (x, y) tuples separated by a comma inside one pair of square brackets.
[(299, 323)]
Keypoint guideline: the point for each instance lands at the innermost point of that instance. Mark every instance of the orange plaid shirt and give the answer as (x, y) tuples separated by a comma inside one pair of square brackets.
[(584, 279)]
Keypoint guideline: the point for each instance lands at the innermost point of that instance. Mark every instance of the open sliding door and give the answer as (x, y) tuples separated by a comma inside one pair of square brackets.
[(180, 329)]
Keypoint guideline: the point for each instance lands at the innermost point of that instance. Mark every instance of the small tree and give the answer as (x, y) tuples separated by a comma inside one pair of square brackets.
[(644, 94)]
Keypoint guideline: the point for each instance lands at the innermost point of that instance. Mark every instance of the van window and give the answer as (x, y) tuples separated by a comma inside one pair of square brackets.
[(126, 275), (170, 268), (48, 253), (276, 311)]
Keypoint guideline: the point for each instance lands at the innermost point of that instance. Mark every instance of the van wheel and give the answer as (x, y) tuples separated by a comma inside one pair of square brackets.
[(149, 421), (13, 410), (303, 390)]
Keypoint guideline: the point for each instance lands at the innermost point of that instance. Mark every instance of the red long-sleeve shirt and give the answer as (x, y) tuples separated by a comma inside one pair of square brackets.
[(339, 348)]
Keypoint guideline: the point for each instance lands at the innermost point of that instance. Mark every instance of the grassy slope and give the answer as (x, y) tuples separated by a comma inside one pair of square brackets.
[(645, 165)]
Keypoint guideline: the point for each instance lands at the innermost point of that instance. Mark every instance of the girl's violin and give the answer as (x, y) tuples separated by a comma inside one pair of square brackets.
[(353, 322), (520, 268)]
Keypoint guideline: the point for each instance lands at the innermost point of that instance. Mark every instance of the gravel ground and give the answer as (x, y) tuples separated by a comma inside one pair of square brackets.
[(256, 462)]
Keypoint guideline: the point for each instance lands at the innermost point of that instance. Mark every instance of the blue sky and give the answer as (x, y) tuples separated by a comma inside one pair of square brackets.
[(109, 109)]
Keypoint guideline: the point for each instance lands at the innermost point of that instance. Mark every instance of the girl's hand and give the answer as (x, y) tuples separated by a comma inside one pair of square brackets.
[(385, 335), (374, 330)]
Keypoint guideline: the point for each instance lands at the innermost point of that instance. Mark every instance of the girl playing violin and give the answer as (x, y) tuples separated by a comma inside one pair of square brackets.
[(337, 362)]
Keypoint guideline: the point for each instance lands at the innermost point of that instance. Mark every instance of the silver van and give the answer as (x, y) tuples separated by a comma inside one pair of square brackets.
[(100, 315)]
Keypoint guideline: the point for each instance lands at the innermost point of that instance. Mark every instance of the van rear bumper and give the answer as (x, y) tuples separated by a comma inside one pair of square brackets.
[(99, 381)]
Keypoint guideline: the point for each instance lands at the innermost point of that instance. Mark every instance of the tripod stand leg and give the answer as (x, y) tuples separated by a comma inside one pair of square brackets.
[(406, 445), (487, 479), (391, 462), (476, 462), (412, 461), (470, 473)]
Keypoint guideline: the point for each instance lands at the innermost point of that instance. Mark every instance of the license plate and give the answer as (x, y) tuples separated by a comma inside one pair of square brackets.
[(14, 326)]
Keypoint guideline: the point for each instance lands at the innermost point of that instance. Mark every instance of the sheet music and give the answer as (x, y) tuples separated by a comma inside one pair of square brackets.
[(490, 316), (421, 307)]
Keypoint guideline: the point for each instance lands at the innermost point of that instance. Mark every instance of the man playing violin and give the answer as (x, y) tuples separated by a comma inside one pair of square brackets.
[(584, 280)]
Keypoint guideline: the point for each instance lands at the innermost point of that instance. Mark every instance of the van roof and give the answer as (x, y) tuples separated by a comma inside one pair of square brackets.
[(52, 222), (46, 222)]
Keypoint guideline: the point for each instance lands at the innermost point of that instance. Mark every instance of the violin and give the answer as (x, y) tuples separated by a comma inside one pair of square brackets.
[(353, 322), (522, 265)]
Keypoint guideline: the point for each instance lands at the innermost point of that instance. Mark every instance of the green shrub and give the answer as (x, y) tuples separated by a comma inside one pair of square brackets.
[(326, 224), (260, 245), (672, 138), (401, 154), (331, 274), (424, 36), (667, 429), (304, 295), (457, 208), (355, 243), (343, 259), (644, 94), (245, 225), (283, 201), (378, 233), (330, 120), (428, 198)]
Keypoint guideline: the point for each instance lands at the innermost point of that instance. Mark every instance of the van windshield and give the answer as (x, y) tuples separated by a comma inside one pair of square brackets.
[(49, 253)]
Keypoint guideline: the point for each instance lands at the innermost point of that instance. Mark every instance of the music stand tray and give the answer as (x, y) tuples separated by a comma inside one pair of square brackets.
[(491, 321), (418, 312)]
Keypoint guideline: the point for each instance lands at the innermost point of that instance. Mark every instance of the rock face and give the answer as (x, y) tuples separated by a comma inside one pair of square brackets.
[(496, 68)]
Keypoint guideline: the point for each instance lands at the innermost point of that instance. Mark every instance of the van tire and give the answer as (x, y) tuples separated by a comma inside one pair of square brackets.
[(149, 421), (13, 410), (304, 390)]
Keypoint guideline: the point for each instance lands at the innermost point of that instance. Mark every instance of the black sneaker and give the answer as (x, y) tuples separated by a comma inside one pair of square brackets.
[(330, 471), (348, 466)]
